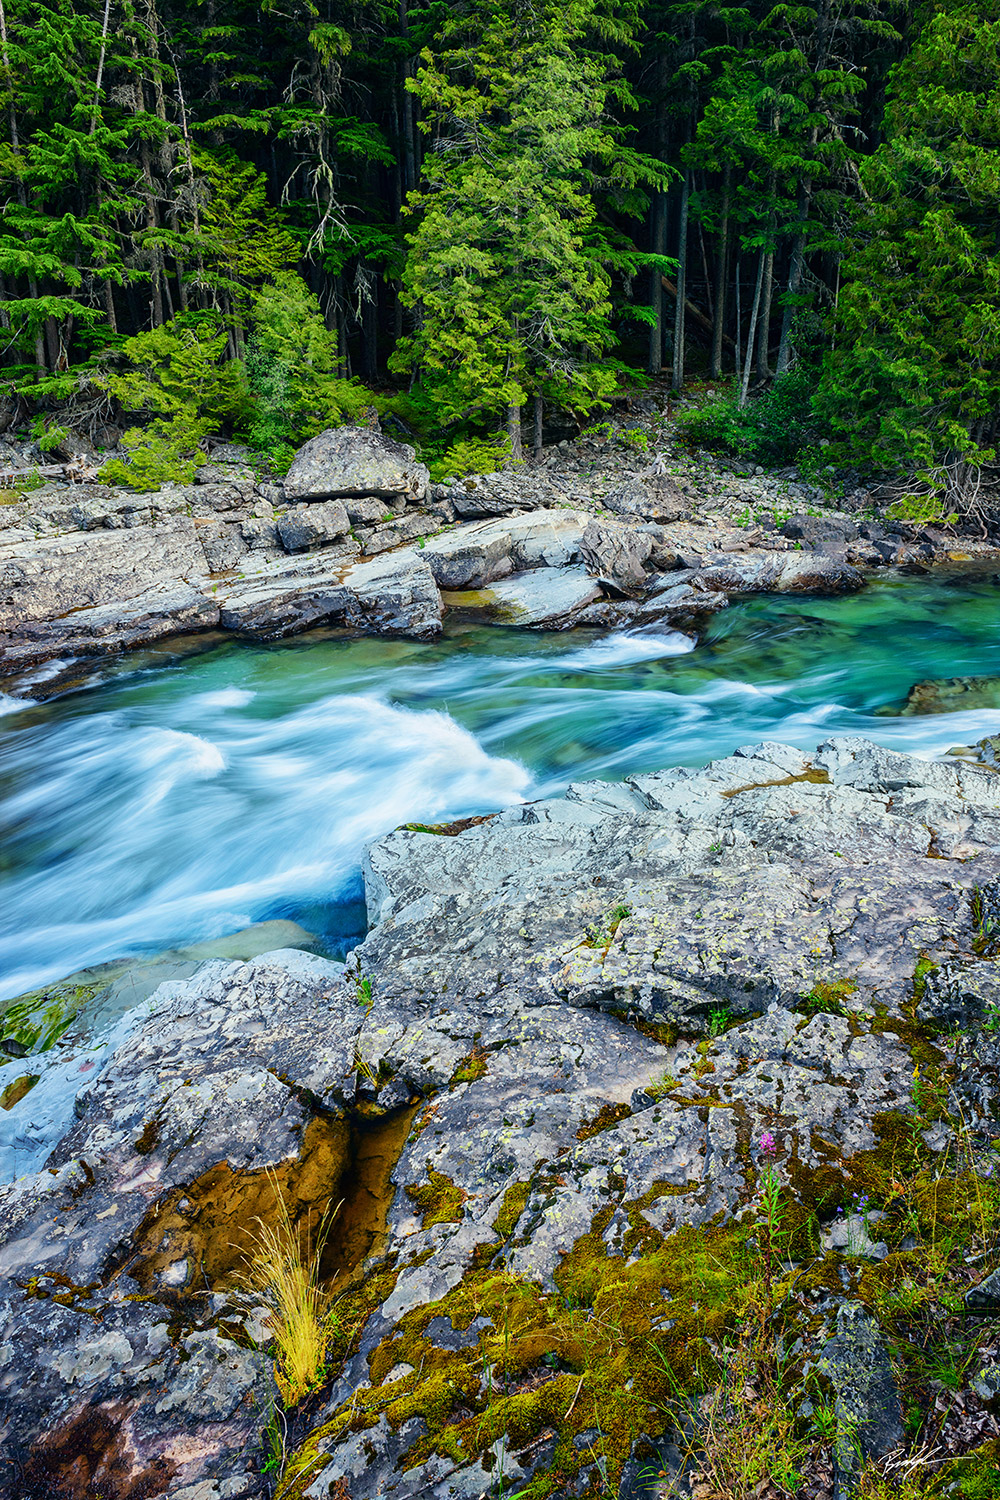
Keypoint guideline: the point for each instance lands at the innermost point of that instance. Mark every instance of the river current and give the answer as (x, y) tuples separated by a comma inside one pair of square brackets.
[(182, 798)]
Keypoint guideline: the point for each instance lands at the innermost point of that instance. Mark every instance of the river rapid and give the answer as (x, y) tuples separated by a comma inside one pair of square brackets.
[(180, 798)]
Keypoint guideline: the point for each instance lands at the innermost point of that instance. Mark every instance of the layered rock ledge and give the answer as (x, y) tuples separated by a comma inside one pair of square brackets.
[(545, 1090)]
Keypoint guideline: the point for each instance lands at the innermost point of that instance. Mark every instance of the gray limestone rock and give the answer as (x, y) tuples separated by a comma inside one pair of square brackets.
[(545, 598), (106, 629), (44, 579), (617, 552), (869, 1419), (817, 529), (473, 556), (754, 572), (305, 526), (397, 595), (354, 461), (649, 498), (391, 595), (602, 1001)]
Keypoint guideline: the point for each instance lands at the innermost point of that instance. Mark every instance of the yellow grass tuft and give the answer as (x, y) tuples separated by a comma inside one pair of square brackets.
[(284, 1268)]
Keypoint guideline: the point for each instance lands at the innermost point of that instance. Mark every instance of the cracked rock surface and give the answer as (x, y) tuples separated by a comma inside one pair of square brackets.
[(582, 1014)]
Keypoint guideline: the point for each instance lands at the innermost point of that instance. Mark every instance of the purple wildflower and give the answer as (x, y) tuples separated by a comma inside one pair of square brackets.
[(767, 1146)]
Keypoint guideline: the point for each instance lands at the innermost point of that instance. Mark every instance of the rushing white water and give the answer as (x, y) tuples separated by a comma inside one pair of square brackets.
[(183, 799)]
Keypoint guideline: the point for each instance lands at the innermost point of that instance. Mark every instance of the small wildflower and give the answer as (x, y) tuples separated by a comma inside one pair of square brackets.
[(767, 1145)]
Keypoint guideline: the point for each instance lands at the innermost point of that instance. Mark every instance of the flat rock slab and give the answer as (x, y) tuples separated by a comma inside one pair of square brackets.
[(48, 577), (478, 554), (106, 629), (544, 596)]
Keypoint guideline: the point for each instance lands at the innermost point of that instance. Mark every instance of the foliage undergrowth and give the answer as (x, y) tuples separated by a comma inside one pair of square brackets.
[(773, 428)]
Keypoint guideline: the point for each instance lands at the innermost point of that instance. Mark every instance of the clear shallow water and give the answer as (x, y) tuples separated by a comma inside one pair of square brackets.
[(181, 800)]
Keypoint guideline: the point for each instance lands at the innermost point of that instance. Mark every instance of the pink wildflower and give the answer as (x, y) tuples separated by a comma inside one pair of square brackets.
[(767, 1145)]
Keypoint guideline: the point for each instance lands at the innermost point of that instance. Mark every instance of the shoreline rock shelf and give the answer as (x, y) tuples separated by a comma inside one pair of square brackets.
[(588, 1017), (357, 537)]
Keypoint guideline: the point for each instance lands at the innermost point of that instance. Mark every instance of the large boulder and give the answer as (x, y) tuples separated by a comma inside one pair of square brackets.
[(655, 497), (391, 595), (498, 494), (355, 461), (814, 531), (396, 595), (756, 572), (619, 553)]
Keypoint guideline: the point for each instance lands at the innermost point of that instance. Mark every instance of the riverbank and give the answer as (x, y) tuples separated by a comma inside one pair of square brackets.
[(621, 1087), (617, 530)]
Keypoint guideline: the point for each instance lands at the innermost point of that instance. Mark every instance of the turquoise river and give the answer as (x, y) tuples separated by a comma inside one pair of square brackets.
[(184, 795)]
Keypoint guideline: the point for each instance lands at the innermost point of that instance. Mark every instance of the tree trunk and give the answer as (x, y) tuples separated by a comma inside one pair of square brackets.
[(721, 269), (109, 306), (369, 331), (100, 68), (748, 362), (407, 110), (514, 433), (658, 240), (52, 342), (682, 237), (739, 319), (539, 414), (794, 279), (764, 340)]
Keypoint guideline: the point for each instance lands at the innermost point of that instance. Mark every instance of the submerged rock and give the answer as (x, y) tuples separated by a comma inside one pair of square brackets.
[(952, 695)]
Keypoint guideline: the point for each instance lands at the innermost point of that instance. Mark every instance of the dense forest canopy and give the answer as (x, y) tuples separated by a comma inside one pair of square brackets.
[(249, 217)]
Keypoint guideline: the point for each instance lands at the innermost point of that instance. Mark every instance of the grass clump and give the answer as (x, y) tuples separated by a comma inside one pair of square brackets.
[(828, 997), (284, 1268), (600, 934)]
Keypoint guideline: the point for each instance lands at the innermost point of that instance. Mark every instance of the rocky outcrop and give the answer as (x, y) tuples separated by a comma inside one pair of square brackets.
[(589, 1027), (754, 572), (354, 461), (107, 629), (650, 497), (391, 595)]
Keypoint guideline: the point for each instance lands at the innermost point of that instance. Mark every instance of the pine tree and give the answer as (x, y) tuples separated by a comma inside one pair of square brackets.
[(914, 380), (508, 266)]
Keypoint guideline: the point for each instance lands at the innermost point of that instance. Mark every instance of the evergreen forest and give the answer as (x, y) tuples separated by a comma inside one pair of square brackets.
[(484, 217)]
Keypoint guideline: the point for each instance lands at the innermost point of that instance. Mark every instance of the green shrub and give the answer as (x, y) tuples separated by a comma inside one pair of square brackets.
[(772, 428), (473, 455), (180, 381)]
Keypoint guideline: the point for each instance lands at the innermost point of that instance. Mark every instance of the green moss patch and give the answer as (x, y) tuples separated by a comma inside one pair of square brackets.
[(439, 1199)]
